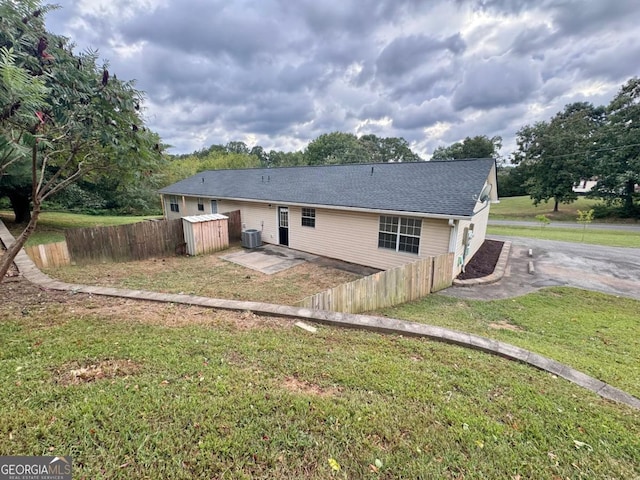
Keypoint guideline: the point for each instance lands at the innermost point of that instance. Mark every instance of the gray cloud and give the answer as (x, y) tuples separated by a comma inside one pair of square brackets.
[(280, 73), (496, 82), (425, 115), (404, 54)]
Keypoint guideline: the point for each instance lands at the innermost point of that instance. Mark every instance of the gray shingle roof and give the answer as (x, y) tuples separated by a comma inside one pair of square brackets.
[(436, 187)]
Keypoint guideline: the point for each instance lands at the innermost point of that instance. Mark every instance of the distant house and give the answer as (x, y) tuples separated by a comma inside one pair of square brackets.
[(585, 186), (380, 215)]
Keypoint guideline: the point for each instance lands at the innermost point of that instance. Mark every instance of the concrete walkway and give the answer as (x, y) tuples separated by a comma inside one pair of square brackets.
[(379, 324)]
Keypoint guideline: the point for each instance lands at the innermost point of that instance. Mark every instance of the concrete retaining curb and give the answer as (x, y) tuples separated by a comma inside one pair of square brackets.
[(498, 271), (347, 320)]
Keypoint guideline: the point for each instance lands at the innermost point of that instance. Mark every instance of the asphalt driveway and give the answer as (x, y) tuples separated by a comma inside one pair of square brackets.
[(612, 270)]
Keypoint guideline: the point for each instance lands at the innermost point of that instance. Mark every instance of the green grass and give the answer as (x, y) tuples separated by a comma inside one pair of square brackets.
[(612, 238), (522, 208), (218, 401), (592, 332), (51, 225)]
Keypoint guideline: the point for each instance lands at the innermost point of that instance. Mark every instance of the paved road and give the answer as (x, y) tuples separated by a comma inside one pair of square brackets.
[(612, 270), (598, 226)]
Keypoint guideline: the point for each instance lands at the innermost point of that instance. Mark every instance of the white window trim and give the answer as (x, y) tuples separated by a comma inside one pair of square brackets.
[(174, 205), (311, 217), (398, 233)]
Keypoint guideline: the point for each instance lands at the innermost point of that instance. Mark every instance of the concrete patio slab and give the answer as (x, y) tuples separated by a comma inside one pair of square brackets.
[(269, 259)]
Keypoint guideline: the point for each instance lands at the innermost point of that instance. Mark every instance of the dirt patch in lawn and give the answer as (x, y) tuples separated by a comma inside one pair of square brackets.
[(300, 386), (209, 276), (505, 326), (484, 261), (76, 373), (39, 308)]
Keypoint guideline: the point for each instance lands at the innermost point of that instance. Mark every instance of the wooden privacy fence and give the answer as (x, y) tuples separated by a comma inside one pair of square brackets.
[(386, 289), (49, 255), (135, 241), (234, 225)]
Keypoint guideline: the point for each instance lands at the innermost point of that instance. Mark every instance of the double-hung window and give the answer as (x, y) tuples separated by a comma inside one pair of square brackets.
[(173, 203), (400, 234), (309, 217), (200, 205)]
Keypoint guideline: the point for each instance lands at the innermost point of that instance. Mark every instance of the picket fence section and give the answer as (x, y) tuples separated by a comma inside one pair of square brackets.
[(388, 288), (442, 272), (135, 241), (49, 255)]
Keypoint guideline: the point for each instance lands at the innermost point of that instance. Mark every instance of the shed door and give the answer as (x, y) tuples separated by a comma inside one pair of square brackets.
[(283, 225)]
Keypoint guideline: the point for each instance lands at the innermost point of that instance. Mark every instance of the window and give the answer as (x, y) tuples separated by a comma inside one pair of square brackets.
[(399, 234), (173, 203), (214, 206), (309, 217), (200, 205)]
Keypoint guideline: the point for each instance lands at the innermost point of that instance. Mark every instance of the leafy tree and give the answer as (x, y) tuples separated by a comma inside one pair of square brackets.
[(21, 96), (618, 167), (554, 155), (342, 148), (585, 218), (261, 154), (335, 148), (237, 147), (511, 181), (183, 167), (390, 149), (286, 159), (87, 121), (479, 146)]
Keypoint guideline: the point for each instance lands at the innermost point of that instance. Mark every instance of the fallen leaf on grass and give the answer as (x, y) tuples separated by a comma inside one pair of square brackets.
[(335, 466), (578, 444)]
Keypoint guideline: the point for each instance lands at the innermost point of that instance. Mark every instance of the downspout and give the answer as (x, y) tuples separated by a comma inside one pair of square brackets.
[(453, 240)]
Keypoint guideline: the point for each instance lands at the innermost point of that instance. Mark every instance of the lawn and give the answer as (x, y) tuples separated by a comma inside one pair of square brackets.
[(612, 238), (142, 390), (590, 331), (522, 208), (51, 225)]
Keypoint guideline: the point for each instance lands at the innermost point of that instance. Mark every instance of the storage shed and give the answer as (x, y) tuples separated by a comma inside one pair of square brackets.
[(206, 233)]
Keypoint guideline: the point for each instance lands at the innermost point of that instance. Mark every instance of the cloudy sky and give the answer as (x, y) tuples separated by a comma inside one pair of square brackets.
[(278, 73)]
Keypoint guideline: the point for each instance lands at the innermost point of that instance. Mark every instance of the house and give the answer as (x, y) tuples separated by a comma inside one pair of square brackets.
[(585, 186), (380, 215)]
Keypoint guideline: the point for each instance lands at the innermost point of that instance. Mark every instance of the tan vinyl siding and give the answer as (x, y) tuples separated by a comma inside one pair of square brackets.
[(345, 235), (353, 237), (258, 216), (480, 220)]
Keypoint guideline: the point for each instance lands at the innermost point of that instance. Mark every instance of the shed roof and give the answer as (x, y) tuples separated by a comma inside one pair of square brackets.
[(204, 218), (435, 187)]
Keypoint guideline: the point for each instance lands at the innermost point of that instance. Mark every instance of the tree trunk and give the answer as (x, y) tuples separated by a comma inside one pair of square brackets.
[(12, 250), (21, 205), (628, 198), (555, 206)]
